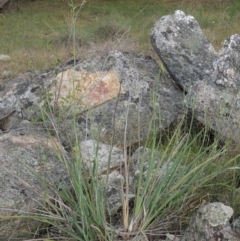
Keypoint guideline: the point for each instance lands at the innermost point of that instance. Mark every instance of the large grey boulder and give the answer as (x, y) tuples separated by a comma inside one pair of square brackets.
[(211, 223), (114, 97), (210, 79), (139, 93), (183, 48), (26, 153)]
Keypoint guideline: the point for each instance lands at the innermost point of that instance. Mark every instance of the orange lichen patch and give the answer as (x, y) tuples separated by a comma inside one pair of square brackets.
[(87, 89)]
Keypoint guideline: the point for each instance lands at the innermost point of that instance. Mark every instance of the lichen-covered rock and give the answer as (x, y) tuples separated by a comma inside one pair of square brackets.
[(143, 91), (107, 158), (236, 226), (111, 95), (139, 163), (211, 223), (108, 161), (23, 152), (227, 66), (210, 79), (183, 48), (161, 169), (85, 89), (115, 192), (18, 95), (118, 88)]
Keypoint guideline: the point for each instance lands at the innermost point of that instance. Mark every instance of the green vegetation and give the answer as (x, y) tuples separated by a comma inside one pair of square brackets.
[(38, 35), (199, 168), (194, 168)]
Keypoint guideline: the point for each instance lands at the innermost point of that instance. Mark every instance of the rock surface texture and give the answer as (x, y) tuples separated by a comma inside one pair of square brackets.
[(125, 91), (109, 91), (24, 151), (209, 78), (211, 223)]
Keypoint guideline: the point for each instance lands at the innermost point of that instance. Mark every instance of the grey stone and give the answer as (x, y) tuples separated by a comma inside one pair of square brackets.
[(183, 48), (108, 162), (24, 93), (105, 157), (210, 79), (236, 226), (4, 58), (139, 163), (211, 223), (115, 191), (147, 94), (26, 153), (125, 119), (18, 94)]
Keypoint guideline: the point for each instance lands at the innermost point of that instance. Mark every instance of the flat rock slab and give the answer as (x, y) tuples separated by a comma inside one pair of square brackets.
[(209, 78)]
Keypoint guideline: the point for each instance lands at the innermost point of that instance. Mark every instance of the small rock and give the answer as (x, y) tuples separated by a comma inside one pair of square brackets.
[(104, 156), (236, 226), (4, 58), (115, 191), (171, 237), (211, 223)]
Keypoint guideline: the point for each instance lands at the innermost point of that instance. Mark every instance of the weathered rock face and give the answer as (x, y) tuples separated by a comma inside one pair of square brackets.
[(140, 92), (107, 157), (211, 223), (210, 79), (111, 95), (25, 90), (184, 49), (22, 152)]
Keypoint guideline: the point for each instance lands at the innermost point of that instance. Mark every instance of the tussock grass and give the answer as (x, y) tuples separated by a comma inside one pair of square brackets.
[(194, 168)]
